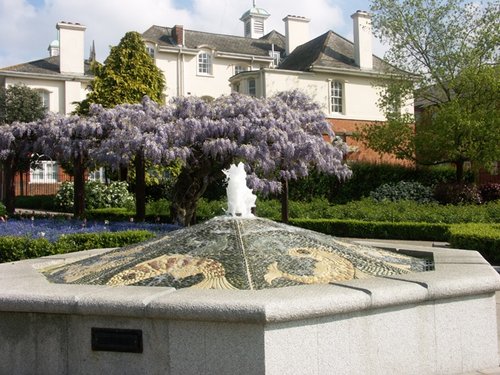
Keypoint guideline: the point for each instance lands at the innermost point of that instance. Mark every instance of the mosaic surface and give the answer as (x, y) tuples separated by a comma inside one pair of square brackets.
[(236, 253)]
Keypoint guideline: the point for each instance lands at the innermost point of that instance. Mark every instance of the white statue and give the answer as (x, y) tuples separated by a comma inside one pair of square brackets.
[(240, 199)]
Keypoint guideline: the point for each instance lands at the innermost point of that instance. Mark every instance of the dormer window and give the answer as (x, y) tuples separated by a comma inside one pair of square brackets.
[(150, 50), (276, 57), (204, 63)]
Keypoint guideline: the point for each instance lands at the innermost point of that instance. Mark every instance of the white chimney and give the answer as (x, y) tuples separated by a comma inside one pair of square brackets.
[(363, 54), (71, 45), (296, 32)]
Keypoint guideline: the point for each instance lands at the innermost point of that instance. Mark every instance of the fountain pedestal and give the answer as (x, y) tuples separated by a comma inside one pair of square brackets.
[(437, 322)]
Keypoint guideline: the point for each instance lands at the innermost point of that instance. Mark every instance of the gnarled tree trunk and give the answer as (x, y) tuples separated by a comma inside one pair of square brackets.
[(9, 186), (140, 187), (190, 186), (79, 186)]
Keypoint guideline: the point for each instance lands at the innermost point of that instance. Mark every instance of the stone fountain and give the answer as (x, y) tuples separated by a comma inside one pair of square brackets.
[(241, 294)]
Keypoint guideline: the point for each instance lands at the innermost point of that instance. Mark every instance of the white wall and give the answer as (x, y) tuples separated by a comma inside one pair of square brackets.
[(61, 93), (190, 82)]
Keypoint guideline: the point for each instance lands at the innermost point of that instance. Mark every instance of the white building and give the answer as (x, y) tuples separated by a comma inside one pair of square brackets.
[(333, 71), (61, 78)]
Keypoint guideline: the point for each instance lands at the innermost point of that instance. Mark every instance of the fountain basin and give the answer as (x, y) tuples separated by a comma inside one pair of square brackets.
[(436, 322)]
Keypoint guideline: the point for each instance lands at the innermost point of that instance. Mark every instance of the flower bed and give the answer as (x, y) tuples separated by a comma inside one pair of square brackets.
[(52, 229)]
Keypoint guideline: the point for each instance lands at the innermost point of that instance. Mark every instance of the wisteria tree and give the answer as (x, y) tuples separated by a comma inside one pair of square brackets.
[(279, 139), (16, 146), (136, 133), (73, 140)]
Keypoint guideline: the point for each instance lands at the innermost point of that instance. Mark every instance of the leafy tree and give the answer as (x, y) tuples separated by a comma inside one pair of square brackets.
[(20, 103), (127, 76), (443, 50)]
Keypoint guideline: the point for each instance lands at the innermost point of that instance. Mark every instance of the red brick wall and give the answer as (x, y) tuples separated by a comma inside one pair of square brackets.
[(345, 129)]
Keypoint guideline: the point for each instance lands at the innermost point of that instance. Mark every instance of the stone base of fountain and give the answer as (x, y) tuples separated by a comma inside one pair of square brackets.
[(437, 322)]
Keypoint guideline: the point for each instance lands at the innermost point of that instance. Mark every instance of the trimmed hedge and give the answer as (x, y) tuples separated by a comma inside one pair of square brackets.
[(484, 238), (376, 229), (17, 248)]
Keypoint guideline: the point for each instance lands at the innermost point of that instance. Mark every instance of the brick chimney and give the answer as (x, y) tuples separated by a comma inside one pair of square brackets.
[(71, 43), (296, 32), (362, 28), (178, 35)]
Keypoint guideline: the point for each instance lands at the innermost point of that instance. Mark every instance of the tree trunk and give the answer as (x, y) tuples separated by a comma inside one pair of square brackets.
[(140, 187), (189, 187), (284, 201), (79, 186), (123, 173), (459, 173), (9, 186)]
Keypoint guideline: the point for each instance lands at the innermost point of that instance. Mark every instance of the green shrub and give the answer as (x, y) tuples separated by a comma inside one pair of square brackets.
[(17, 248), (484, 238), (97, 195), (489, 192), (457, 193), (403, 190), (36, 202), (373, 229), (366, 178), (85, 241), (112, 214), (3, 211)]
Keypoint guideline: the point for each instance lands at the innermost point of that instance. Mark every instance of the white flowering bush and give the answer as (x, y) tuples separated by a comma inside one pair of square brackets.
[(98, 195)]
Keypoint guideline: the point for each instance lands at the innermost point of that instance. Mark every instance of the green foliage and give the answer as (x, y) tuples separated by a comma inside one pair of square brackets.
[(20, 103), (373, 229), (98, 195), (18, 248), (3, 211), (447, 51), (128, 74), (403, 190), (484, 238), (86, 241), (366, 177), (457, 193), (36, 202)]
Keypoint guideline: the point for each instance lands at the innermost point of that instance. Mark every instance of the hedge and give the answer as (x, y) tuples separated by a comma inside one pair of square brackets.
[(484, 238), (17, 248), (376, 229)]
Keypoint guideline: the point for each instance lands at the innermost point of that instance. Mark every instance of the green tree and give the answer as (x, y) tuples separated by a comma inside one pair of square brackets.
[(127, 76), (446, 53), (20, 103)]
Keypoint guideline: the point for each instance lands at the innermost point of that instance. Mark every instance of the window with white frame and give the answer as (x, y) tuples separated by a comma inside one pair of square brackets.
[(252, 89), (337, 97), (45, 96), (44, 171), (204, 63), (98, 175)]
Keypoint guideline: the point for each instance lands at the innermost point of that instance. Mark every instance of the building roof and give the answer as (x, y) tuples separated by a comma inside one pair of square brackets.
[(163, 36), (48, 65), (328, 50)]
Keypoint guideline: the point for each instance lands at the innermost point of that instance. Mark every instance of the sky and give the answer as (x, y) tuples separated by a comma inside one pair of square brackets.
[(28, 26)]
